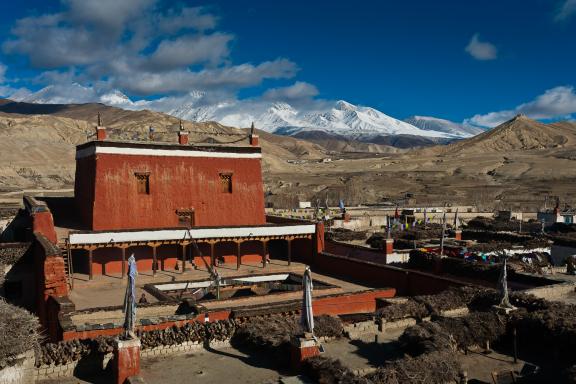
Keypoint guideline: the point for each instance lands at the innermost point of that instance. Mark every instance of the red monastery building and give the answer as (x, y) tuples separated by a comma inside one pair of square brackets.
[(171, 205)]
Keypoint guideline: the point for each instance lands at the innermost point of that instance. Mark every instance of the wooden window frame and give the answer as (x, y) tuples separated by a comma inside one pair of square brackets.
[(139, 177), (186, 213), (226, 180)]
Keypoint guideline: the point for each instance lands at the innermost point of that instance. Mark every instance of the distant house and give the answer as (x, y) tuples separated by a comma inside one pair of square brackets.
[(561, 250), (556, 216)]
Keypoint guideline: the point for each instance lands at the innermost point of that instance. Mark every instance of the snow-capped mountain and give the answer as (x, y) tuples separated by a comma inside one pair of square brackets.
[(428, 123), (340, 118), (337, 118)]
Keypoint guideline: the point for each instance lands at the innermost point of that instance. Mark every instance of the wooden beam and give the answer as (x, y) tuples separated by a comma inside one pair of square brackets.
[(265, 252), (184, 245), (90, 272), (154, 261), (289, 247), (123, 261), (238, 254)]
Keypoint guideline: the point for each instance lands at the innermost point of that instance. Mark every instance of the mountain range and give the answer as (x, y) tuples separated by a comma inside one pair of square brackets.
[(508, 166), (339, 119)]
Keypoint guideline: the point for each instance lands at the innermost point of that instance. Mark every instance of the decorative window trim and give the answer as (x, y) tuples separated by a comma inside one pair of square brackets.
[(143, 182), (226, 180)]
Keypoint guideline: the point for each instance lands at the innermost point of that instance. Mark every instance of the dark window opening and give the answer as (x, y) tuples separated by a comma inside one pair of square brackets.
[(226, 182), (143, 183), (186, 218)]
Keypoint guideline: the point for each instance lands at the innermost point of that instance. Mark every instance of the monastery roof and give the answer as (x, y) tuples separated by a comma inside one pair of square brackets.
[(209, 147)]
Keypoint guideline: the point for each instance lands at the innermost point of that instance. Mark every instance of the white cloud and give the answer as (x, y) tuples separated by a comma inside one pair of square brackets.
[(298, 91), (135, 46), (187, 50), (186, 18), (2, 73), (558, 102), (481, 50), (178, 81), (567, 10)]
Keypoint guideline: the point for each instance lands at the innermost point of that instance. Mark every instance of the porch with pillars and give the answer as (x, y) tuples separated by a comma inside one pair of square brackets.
[(182, 255)]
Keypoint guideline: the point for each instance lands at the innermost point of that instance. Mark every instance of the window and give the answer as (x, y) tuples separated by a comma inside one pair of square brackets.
[(186, 218), (143, 183), (226, 182)]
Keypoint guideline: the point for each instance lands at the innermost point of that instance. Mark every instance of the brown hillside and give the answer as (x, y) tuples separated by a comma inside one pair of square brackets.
[(519, 133)]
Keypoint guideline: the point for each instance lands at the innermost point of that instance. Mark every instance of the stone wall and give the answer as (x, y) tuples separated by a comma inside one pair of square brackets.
[(89, 365), (553, 292), (22, 372)]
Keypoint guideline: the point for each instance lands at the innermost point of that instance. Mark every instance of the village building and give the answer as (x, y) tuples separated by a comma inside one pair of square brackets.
[(170, 204)]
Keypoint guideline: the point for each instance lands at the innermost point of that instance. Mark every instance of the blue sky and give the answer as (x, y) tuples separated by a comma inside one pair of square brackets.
[(476, 60)]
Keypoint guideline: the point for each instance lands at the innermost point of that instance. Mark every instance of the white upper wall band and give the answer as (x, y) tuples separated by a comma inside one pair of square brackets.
[(198, 233), (92, 150)]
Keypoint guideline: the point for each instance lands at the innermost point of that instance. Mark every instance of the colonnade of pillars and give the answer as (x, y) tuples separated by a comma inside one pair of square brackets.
[(185, 245)]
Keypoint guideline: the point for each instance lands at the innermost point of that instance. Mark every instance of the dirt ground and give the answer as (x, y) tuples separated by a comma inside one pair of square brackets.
[(230, 365)]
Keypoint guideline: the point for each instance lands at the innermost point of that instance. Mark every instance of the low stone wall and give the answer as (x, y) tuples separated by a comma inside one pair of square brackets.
[(89, 365), (553, 292), (98, 362), (185, 347), (355, 330), (21, 372)]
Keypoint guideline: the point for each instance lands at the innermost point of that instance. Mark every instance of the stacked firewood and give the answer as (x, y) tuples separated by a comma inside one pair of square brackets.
[(194, 332), (65, 352)]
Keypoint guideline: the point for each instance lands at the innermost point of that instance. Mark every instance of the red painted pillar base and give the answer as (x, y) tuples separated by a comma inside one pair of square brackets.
[(301, 348), (389, 247), (126, 359), (458, 234)]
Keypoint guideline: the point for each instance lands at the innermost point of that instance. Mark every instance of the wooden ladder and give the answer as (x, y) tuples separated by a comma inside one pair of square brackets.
[(68, 268)]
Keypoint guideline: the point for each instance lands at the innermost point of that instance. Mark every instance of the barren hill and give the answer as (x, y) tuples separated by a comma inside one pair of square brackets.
[(519, 133), (515, 165), (37, 141)]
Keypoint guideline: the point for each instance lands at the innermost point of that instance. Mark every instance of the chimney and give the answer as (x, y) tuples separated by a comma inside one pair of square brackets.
[(253, 137), (100, 130), (182, 135)]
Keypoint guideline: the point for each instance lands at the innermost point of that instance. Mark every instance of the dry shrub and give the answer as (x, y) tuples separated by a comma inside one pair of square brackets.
[(343, 234), (426, 337), (400, 311), (328, 326), (552, 327), (492, 246), (451, 298), (18, 332), (433, 368), (474, 329), (488, 224), (267, 332), (324, 370)]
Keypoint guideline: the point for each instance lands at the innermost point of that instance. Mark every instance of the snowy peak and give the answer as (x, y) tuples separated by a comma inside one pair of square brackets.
[(441, 125), (342, 105), (337, 118)]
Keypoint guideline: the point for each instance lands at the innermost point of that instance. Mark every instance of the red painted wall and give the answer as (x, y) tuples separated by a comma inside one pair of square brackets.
[(356, 252), (109, 260), (406, 282), (175, 183), (354, 302)]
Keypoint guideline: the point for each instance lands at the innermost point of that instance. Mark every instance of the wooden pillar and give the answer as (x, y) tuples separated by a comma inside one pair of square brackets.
[(264, 252), (238, 254), (154, 260), (183, 257), (289, 248), (90, 272), (212, 254), (123, 261)]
